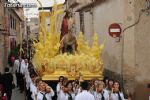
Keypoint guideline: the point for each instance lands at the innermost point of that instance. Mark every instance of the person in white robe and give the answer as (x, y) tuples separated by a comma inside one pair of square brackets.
[(27, 74), (59, 86), (18, 63), (101, 93), (19, 70), (116, 93), (67, 92), (84, 95), (45, 92), (33, 87)]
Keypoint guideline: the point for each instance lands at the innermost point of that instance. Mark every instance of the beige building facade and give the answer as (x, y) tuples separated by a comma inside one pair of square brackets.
[(33, 25), (11, 30), (127, 60)]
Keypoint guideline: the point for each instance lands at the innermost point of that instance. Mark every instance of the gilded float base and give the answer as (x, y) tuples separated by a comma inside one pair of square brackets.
[(85, 75)]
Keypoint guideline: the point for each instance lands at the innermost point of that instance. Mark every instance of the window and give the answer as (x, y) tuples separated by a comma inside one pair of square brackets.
[(15, 24), (11, 22), (82, 22)]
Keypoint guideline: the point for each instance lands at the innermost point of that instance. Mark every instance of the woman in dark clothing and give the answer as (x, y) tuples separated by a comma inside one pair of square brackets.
[(8, 83)]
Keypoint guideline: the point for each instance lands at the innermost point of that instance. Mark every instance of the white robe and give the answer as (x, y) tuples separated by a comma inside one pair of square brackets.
[(27, 76), (34, 91), (114, 96), (16, 66), (98, 96), (84, 95), (48, 95), (58, 88), (64, 96)]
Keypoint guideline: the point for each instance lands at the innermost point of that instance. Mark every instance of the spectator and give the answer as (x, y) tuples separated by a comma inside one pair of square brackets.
[(110, 85), (84, 95), (117, 93), (101, 93), (67, 92), (8, 83), (18, 66), (58, 87), (45, 92)]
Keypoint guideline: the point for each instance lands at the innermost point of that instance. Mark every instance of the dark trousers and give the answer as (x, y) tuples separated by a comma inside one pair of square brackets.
[(28, 94), (20, 81), (17, 77), (9, 93)]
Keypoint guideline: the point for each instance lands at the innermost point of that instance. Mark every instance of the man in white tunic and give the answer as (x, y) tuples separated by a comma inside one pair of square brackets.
[(59, 86), (18, 68), (26, 74), (101, 93), (45, 92), (84, 95)]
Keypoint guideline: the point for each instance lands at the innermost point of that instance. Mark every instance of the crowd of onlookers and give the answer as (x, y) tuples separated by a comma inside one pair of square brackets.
[(36, 89), (21, 74), (89, 90), (27, 81)]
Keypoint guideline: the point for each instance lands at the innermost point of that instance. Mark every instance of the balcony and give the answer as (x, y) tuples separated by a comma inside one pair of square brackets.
[(75, 3)]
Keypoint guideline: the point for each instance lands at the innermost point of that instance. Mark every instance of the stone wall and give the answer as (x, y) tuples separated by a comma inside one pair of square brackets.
[(1, 52), (128, 59), (106, 13), (142, 51), (128, 53)]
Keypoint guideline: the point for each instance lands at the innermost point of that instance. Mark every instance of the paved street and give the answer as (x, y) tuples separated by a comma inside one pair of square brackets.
[(16, 95)]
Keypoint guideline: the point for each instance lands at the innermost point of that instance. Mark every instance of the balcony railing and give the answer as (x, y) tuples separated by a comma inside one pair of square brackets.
[(74, 3)]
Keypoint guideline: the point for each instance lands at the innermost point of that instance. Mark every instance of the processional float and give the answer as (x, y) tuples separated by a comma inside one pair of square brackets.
[(50, 64)]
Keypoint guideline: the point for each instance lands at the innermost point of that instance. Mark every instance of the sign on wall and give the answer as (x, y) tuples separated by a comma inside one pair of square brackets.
[(115, 30)]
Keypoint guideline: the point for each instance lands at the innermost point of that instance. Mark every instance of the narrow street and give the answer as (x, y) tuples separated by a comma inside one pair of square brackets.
[(16, 95)]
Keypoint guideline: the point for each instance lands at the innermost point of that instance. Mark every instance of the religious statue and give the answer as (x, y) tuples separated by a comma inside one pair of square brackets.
[(67, 38), (68, 43), (64, 25)]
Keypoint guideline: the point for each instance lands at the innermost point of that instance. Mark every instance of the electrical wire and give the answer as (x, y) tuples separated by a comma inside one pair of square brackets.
[(139, 18)]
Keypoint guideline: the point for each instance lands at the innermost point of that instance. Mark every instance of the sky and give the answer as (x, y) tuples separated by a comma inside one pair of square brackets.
[(33, 12)]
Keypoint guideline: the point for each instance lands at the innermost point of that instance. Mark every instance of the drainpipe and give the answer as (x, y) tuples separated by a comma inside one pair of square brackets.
[(122, 63)]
